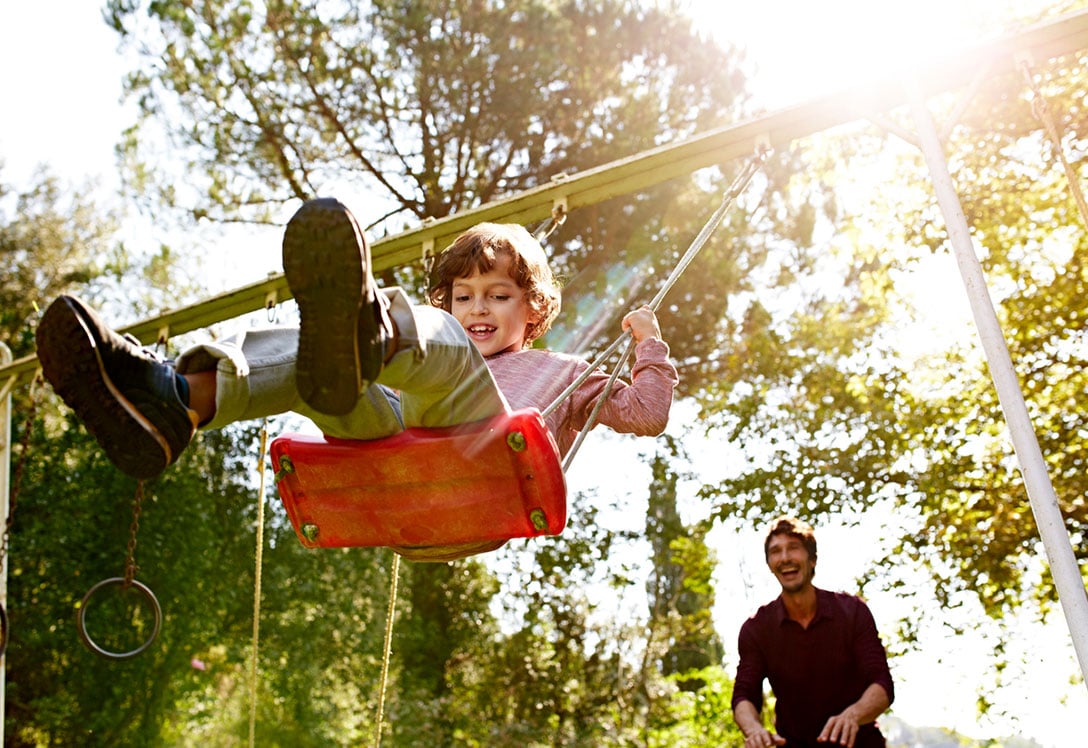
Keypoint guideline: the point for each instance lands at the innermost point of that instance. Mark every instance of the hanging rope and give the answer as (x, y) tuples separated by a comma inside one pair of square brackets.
[(739, 183), (1041, 109), (387, 648), (258, 566)]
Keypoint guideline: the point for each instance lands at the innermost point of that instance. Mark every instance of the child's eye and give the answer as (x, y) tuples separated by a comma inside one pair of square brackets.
[(500, 296), (460, 298)]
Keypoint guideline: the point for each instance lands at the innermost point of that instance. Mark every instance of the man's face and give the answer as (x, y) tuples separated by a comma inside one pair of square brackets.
[(789, 561)]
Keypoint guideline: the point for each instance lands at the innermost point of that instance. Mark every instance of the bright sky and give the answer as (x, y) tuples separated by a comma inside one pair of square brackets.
[(60, 94)]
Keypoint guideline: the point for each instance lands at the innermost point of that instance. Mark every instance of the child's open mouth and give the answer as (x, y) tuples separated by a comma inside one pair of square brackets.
[(481, 331)]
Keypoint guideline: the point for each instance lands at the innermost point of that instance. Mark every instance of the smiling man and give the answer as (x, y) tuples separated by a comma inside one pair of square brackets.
[(820, 651)]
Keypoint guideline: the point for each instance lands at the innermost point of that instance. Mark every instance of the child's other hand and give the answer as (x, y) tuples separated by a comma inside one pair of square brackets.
[(642, 324)]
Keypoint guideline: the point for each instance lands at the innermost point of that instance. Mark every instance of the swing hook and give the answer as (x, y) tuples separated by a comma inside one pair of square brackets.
[(428, 257), (270, 301), (559, 217), (162, 339)]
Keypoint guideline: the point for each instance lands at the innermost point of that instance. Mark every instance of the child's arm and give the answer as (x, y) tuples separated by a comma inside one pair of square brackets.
[(641, 406)]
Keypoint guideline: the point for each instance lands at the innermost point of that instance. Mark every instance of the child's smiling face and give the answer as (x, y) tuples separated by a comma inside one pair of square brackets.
[(492, 308)]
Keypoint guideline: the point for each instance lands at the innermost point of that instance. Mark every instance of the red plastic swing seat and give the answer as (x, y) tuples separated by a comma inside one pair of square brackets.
[(491, 480)]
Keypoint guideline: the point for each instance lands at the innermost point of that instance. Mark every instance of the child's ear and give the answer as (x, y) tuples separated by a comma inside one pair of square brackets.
[(532, 322)]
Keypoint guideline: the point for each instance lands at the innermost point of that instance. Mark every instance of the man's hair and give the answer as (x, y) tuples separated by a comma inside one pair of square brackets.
[(794, 528), (476, 250)]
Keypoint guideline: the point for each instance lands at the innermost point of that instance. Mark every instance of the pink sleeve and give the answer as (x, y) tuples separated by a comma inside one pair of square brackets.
[(640, 407)]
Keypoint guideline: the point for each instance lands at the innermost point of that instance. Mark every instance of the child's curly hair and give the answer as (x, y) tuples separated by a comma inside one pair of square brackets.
[(476, 250)]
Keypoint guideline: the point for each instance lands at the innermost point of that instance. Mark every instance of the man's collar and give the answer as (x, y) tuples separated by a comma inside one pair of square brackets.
[(823, 607)]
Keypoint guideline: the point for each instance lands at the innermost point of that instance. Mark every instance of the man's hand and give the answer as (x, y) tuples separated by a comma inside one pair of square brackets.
[(841, 729), (763, 738)]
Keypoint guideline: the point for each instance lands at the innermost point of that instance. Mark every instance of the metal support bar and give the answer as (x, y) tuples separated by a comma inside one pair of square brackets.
[(1044, 502), (5, 507)]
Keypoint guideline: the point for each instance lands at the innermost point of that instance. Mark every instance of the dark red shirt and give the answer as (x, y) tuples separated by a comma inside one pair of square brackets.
[(816, 672)]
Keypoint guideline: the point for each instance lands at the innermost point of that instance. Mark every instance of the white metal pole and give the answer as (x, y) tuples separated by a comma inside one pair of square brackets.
[(5, 498), (1044, 503)]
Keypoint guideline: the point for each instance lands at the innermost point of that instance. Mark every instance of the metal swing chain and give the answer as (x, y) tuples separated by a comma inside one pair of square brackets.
[(127, 582), (739, 183), (1041, 109), (130, 559)]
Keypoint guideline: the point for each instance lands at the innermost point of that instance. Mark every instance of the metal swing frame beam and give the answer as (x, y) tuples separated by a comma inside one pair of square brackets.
[(720, 146)]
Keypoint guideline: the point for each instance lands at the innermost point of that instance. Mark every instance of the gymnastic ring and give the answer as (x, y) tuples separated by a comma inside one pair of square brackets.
[(3, 631), (82, 624)]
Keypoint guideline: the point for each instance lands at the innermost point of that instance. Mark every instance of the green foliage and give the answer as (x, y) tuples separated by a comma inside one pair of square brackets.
[(837, 418), (320, 643), (557, 676), (681, 591), (429, 107), (51, 241), (698, 717)]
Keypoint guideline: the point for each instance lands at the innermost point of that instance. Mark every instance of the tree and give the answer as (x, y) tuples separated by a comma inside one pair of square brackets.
[(428, 108), (839, 418), (73, 514), (51, 243), (681, 591)]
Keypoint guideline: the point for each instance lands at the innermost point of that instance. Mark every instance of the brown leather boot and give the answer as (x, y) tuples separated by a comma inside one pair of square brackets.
[(126, 395), (345, 328)]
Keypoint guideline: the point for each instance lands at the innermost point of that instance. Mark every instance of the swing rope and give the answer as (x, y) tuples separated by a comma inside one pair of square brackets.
[(739, 183), (1041, 109), (258, 566), (387, 648)]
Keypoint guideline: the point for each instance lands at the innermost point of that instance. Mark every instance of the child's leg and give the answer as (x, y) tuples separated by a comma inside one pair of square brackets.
[(441, 375), (202, 394), (254, 377), (350, 336), (443, 379)]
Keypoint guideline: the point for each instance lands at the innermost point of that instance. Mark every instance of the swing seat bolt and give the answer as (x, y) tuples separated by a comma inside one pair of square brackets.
[(286, 468), (310, 531), (539, 519), (516, 441)]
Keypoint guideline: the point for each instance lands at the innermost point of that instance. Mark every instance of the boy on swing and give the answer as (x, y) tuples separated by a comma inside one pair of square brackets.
[(364, 363)]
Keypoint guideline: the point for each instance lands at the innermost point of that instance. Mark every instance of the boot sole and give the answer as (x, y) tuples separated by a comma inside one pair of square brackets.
[(326, 263), (70, 361)]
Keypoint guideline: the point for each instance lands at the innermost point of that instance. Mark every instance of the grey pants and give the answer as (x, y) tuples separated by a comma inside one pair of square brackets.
[(439, 374)]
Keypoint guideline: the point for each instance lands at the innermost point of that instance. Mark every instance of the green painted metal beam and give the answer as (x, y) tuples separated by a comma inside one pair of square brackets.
[(719, 146)]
